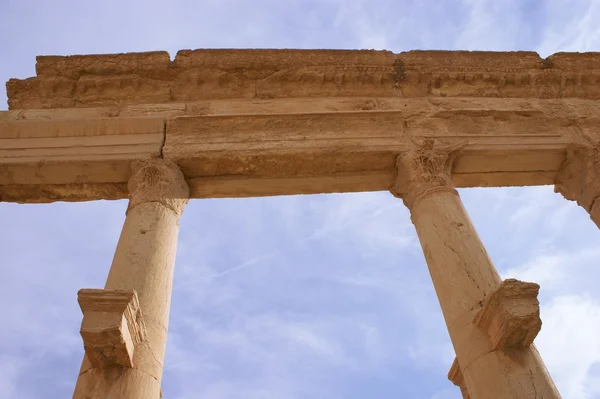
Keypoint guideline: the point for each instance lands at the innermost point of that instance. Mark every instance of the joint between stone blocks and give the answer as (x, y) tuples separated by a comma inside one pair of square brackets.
[(112, 326), (511, 315)]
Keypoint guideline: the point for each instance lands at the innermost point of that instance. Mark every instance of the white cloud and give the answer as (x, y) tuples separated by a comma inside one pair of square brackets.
[(570, 312), (570, 26), (49, 253), (429, 354), (10, 367), (570, 345), (491, 25), (546, 270)]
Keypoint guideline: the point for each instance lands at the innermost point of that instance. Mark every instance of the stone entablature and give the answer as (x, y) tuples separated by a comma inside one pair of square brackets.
[(240, 123), (241, 148), (152, 77), (244, 123)]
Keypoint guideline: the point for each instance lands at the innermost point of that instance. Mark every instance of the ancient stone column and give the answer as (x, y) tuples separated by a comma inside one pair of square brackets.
[(491, 324), (125, 325), (577, 180)]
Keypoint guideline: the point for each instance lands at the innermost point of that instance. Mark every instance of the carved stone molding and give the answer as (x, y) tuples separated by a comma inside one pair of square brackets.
[(511, 315), (151, 77), (112, 326), (577, 180), (158, 180), (426, 167), (455, 376)]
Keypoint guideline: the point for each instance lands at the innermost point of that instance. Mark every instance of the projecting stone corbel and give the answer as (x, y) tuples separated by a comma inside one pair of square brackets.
[(455, 376), (112, 326), (511, 315)]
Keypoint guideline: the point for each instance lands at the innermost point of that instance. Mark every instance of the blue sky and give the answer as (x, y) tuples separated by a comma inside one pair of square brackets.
[(324, 296)]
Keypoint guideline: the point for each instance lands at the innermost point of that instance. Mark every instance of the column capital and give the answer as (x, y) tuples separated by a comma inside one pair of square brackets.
[(158, 180), (425, 167), (577, 180)]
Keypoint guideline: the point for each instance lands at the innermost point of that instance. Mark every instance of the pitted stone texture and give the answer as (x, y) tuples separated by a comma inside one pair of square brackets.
[(511, 315), (157, 180), (579, 178), (143, 262), (137, 78), (426, 167), (112, 326), (290, 146), (464, 276), (72, 67)]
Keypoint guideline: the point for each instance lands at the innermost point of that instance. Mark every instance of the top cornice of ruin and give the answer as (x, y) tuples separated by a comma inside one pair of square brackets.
[(152, 77)]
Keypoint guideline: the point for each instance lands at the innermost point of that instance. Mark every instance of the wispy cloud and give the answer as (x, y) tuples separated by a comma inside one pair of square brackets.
[(570, 345), (570, 26)]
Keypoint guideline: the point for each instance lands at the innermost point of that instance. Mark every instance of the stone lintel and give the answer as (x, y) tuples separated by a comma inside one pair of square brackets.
[(511, 315), (456, 377), (112, 326), (79, 155)]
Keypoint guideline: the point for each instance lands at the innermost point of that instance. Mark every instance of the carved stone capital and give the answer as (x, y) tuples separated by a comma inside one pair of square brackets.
[(112, 326), (158, 180), (455, 376), (426, 167), (578, 178), (511, 315)]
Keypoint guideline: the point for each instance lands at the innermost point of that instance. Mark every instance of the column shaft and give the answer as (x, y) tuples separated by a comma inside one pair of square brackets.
[(464, 276), (144, 261)]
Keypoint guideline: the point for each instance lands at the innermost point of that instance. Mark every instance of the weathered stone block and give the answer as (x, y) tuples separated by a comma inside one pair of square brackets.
[(104, 90), (102, 64), (112, 326), (511, 315), (43, 92), (141, 78)]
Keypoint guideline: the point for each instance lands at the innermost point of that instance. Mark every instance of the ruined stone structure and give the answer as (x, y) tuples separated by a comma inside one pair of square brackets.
[(240, 123)]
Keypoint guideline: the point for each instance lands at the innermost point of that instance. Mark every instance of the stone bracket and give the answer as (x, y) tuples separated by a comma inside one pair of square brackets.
[(112, 326), (455, 376), (511, 315)]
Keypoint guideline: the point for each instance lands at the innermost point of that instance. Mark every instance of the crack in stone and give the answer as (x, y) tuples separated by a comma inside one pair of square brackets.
[(533, 384), (164, 139), (122, 369)]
